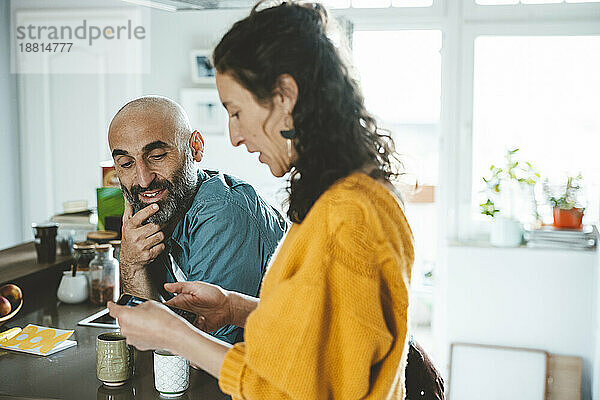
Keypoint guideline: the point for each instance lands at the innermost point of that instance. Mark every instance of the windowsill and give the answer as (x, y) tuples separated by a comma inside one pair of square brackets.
[(421, 289), (483, 244)]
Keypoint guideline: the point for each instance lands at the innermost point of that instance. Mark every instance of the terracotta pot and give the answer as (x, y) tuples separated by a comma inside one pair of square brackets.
[(569, 219)]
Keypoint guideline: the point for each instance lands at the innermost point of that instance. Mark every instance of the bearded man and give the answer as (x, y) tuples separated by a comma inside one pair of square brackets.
[(182, 222)]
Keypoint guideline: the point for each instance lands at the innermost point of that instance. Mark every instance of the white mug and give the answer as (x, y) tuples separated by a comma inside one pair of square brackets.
[(171, 373)]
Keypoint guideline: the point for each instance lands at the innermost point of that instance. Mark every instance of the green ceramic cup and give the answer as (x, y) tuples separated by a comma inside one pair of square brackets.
[(114, 359)]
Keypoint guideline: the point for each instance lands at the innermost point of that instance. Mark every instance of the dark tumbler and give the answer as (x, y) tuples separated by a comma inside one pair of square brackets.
[(45, 241)]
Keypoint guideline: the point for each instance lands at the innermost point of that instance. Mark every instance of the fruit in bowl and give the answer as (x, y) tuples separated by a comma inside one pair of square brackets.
[(5, 306), (12, 292), (11, 301)]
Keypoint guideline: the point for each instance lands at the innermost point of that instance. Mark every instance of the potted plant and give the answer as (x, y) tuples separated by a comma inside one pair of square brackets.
[(504, 185), (566, 209)]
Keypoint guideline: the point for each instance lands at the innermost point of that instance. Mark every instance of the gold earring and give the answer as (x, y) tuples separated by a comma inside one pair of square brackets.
[(289, 148)]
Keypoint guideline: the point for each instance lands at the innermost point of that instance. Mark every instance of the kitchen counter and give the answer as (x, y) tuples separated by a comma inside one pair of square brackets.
[(20, 261), (71, 373)]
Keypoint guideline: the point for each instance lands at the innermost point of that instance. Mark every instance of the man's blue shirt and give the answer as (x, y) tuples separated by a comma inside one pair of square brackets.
[(227, 238)]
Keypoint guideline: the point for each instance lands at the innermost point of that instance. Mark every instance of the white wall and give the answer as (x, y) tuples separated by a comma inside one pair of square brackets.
[(173, 36), (10, 200), (521, 297)]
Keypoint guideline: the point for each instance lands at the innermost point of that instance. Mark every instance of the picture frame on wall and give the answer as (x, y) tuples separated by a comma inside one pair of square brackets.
[(204, 109), (201, 66)]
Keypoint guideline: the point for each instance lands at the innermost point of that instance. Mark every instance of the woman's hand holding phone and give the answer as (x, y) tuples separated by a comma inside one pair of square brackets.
[(210, 302)]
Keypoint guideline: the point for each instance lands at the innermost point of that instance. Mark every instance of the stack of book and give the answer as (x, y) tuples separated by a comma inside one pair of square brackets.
[(550, 237), (74, 218), (75, 225)]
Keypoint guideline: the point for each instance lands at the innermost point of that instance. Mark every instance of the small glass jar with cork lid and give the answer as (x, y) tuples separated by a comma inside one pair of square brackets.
[(83, 253), (116, 244), (104, 275), (102, 236)]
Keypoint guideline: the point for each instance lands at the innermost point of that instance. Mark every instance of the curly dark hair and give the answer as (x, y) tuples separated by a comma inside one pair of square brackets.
[(335, 135)]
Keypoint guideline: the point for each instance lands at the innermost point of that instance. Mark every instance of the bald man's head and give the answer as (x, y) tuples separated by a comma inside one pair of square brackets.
[(171, 115), (149, 138)]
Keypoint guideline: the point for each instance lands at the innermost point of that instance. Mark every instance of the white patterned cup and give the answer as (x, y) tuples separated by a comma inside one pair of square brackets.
[(171, 373)]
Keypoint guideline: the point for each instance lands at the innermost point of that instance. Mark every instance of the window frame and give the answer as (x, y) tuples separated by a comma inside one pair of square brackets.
[(391, 17), (461, 22), (529, 12)]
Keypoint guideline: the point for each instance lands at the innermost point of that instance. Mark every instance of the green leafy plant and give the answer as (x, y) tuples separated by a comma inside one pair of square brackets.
[(489, 208), (568, 199), (522, 173)]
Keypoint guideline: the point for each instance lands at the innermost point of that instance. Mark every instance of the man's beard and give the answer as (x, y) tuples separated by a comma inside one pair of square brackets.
[(179, 192)]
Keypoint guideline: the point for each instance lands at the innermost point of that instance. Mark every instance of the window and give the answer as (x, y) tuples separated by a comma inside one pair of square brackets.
[(371, 3), (540, 94), (376, 3), (567, 13), (400, 74), (336, 3), (412, 3), (506, 2)]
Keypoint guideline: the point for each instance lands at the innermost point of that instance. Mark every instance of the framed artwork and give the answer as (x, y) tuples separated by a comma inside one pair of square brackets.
[(503, 372), (204, 109), (201, 67)]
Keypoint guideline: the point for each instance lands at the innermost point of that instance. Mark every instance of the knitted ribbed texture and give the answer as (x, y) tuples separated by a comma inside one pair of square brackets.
[(331, 322)]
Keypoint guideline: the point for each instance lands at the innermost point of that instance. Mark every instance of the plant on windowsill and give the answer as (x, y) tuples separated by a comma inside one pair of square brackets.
[(566, 209), (504, 185)]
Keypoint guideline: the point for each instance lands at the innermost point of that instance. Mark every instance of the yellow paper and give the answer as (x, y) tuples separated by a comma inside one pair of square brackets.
[(39, 340), (10, 333)]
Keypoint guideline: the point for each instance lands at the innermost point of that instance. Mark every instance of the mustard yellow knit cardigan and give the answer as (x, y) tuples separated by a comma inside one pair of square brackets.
[(332, 317)]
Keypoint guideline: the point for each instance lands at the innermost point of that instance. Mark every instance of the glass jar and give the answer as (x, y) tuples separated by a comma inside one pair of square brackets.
[(83, 253), (116, 244), (104, 276), (64, 240)]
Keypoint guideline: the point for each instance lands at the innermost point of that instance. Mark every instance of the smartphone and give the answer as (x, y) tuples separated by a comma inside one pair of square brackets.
[(132, 301)]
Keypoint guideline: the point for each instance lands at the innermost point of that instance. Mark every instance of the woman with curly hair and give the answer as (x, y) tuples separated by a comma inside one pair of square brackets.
[(331, 320)]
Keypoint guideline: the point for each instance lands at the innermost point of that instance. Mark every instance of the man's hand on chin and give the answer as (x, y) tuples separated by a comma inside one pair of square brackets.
[(140, 244)]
